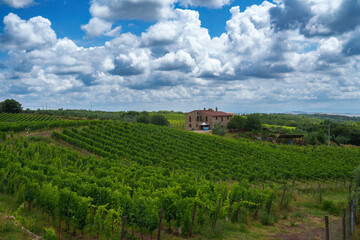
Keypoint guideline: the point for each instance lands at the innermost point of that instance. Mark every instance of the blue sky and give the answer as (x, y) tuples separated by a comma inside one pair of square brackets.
[(242, 56)]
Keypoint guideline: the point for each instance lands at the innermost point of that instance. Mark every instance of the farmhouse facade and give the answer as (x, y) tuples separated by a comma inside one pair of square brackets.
[(205, 119)]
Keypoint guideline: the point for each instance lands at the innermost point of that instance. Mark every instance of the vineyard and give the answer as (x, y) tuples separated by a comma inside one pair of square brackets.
[(137, 172), (213, 157), (26, 122)]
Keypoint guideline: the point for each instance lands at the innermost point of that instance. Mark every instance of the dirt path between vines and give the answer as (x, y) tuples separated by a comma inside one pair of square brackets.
[(308, 228)]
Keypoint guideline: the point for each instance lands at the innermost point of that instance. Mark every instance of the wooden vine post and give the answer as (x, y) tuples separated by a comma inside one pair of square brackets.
[(217, 213), (327, 232), (123, 228), (271, 200), (193, 219), (293, 185), (159, 228), (238, 209), (3, 183), (257, 207), (350, 190), (282, 198), (344, 224), (350, 221)]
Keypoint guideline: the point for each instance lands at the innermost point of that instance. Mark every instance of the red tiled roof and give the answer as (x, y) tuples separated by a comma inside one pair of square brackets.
[(216, 113), (213, 113)]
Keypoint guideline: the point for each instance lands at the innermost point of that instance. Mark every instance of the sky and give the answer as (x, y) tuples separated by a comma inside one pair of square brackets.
[(237, 55)]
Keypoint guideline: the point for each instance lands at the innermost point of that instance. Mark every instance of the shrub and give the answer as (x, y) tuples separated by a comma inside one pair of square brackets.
[(218, 130), (159, 120), (329, 206), (50, 234), (142, 118)]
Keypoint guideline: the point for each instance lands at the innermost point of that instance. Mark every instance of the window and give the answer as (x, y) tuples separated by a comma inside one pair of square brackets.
[(221, 118), (215, 118), (197, 118), (206, 119), (227, 118), (189, 118), (197, 125), (190, 125), (200, 118)]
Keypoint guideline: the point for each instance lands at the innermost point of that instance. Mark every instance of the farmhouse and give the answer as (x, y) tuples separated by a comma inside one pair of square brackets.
[(205, 119)]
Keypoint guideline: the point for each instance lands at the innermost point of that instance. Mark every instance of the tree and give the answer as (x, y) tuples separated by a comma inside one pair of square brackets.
[(237, 122), (159, 120), (11, 106), (142, 118), (218, 130), (253, 122)]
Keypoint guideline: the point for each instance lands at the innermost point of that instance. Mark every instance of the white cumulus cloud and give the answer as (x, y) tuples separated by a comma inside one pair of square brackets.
[(98, 27), (256, 59), (22, 34), (18, 3)]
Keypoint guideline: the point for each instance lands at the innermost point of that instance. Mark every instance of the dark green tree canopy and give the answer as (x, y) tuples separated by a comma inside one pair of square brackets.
[(253, 122), (143, 118), (159, 120), (237, 122), (11, 106)]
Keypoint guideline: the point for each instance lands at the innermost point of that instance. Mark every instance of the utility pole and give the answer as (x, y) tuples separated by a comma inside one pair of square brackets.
[(329, 136)]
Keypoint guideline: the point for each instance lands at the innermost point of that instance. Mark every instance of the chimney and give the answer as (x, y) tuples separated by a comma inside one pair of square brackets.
[(216, 108), (204, 109)]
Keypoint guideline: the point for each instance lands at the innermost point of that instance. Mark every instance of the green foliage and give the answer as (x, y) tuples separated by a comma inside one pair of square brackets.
[(253, 122), (218, 130), (99, 218), (7, 227), (10, 106), (330, 206), (343, 129), (237, 122), (266, 218), (143, 118), (49, 198), (31, 191), (159, 120), (81, 211), (2, 136), (356, 177), (143, 168), (50, 234), (112, 221)]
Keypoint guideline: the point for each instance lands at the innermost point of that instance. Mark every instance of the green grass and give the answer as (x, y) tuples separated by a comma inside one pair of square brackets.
[(278, 127), (172, 116), (9, 231)]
